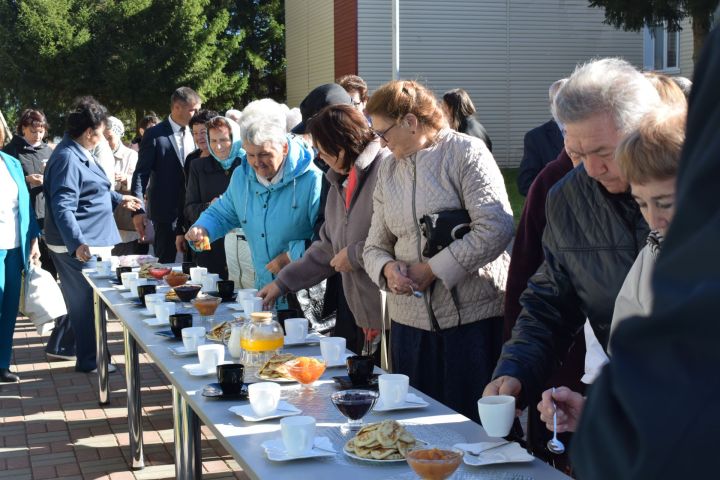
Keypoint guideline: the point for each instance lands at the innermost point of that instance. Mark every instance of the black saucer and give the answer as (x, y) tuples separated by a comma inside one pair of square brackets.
[(345, 383), (213, 390), (230, 298)]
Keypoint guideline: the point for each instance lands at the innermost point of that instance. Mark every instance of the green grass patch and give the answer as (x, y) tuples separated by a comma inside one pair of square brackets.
[(517, 201)]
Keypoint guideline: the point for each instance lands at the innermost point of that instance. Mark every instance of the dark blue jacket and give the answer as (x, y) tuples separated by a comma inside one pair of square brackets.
[(541, 146), (78, 201), (26, 216), (160, 174)]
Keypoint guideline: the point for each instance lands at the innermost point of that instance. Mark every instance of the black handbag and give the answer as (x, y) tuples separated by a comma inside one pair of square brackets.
[(442, 228)]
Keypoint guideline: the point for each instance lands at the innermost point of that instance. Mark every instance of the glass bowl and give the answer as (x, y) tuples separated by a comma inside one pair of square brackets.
[(305, 369), (187, 292), (159, 272), (207, 305), (354, 405), (434, 463), (175, 279)]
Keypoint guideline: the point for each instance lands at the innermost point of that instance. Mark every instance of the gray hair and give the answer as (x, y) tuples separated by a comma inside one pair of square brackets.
[(234, 114), (293, 117), (555, 88), (608, 85), (185, 95), (263, 121), (685, 85)]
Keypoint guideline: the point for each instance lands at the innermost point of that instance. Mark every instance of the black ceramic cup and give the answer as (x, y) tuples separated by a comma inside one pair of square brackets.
[(231, 376), (186, 266), (226, 288), (178, 321), (144, 290), (360, 369), (120, 270)]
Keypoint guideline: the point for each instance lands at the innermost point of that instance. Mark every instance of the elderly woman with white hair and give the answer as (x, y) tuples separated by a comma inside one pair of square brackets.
[(274, 196), (125, 161)]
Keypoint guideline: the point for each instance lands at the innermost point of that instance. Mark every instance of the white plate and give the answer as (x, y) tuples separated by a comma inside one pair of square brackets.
[(181, 351), (373, 460), (275, 450), (340, 363), (510, 453), (311, 338), (196, 370), (278, 380), (155, 322), (120, 287), (284, 409), (411, 401)]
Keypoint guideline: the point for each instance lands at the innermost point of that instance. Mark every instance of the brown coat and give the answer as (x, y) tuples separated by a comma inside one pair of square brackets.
[(344, 228)]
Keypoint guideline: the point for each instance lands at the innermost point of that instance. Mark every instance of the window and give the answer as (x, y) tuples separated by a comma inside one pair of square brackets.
[(660, 48)]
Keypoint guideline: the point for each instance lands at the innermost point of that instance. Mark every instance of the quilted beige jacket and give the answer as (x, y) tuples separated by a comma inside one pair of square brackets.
[(430, 181)]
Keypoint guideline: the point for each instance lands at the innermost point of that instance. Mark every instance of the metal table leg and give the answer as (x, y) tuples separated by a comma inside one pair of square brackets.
[(102, 349), (132, 378), (186, 425)]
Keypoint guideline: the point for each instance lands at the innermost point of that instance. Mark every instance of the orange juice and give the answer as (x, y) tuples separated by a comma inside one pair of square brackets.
[(261, 344)]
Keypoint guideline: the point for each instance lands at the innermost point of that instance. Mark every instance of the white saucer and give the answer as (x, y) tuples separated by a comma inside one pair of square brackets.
[(235, 306), (129, 295), (284, 409), (313, 337), (509, 453), (196, 370), (339, 363), (411, 401), (155, 322), (120, 287), (276, 450), (181, 351)]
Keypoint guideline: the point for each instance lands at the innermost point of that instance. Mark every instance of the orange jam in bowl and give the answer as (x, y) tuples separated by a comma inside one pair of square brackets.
[(434, 463)]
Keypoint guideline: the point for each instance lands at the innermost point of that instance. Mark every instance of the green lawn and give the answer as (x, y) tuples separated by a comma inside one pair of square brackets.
[(516, 200)]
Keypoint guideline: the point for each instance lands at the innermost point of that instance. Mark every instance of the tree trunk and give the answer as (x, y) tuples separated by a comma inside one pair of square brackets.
[(701, 28)]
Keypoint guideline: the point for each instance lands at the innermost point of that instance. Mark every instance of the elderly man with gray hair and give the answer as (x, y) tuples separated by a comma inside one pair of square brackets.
[(594, 229)]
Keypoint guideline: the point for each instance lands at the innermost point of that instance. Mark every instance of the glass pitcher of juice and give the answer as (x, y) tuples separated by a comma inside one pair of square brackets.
[(261, 339)]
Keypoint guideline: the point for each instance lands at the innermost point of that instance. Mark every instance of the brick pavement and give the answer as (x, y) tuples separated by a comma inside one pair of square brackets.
[(51, 425)]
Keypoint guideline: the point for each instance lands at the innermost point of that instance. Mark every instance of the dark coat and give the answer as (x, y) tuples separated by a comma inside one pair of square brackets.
[(470, 126), (160, 174), (31, 158), (207, 180), (541, 146), (590, 242), (652, 413)]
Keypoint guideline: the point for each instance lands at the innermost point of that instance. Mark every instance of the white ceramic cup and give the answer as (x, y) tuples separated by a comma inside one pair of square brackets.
[(152, 299), (332, 349), (393, 389), (296, 329), (254, 304), (193, 337), (103, 267), (246, 294), (497, 413), (163, 310), (211, 355), (264, 397), (197, 274), (126, 277), (209, 282), (298, 434)]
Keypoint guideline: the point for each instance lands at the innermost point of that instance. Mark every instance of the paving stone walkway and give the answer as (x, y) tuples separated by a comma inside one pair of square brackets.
[(51, 425)]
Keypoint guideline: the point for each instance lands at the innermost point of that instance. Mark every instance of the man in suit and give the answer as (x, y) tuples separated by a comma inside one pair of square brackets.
[(542, 145), (160, 174)]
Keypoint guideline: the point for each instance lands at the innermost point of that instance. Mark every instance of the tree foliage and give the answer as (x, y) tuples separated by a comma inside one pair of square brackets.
[(131, 54), (634, 15)]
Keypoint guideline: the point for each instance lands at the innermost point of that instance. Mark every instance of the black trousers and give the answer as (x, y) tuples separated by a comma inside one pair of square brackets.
[(164, 244)]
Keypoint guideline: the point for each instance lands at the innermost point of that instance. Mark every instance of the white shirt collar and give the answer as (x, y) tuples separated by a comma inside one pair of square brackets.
[(175, 127), (273, 181)]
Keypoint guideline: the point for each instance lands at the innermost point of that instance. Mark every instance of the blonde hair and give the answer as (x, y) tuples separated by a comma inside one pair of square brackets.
[(670, 92), (398, 98), (652, 150)]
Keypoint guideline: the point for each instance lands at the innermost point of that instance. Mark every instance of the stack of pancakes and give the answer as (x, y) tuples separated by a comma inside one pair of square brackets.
[(273, 368), (386, 440)]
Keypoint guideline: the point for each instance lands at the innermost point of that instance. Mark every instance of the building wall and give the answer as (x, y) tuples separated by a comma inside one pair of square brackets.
[(505, 53), (309, 46), (687, 66), (346, 47)]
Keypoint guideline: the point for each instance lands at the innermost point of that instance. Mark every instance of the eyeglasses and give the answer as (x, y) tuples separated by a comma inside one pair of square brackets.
[(384, 132)]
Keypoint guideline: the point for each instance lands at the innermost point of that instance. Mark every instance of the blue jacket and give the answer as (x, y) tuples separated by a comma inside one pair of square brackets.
[(78, 201), (275, 219), (29, 228)]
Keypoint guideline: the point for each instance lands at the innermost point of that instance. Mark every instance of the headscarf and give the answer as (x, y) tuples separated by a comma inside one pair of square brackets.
[(236, 150), (116, 126)]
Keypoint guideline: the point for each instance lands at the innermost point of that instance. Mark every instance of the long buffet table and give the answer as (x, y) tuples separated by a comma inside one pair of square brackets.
[(436, 423)]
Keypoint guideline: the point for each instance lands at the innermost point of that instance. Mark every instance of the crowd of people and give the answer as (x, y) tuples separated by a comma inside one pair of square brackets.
[(389, 197)]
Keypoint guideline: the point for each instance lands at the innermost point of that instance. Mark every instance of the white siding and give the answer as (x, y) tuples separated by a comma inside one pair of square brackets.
[(505, 53), (686, 50), (309, 46)]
